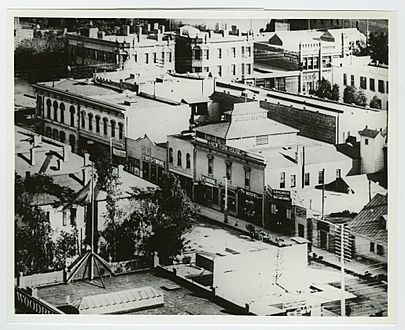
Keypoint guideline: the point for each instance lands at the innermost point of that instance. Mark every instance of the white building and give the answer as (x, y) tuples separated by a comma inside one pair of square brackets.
[(372, 146), (359, 72)]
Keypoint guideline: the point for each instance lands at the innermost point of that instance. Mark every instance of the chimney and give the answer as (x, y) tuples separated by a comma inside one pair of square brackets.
[(210, 33), (223, 33), (37, 140), (148, 27), (139, 30), (86, 159), (66, 150), (125, 30), (101, 35), (155, 26), (32, 156), (158, 35), (93, 32), (162, 29)]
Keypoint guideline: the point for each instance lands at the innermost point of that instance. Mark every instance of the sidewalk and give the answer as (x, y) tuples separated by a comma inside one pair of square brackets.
[(353, 266)]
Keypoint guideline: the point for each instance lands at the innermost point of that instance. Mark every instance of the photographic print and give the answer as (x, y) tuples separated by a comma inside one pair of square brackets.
[(202, 166)]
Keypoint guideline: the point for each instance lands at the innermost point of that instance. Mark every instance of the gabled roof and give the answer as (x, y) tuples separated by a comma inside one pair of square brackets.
[(369, 221), (219, 130)]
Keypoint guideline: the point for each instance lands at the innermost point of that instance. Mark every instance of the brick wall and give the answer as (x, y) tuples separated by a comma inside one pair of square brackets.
[(311, 124)]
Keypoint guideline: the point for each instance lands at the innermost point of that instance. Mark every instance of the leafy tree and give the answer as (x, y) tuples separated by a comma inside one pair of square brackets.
[(34, 247), (325, 90), (157, 222), (361, 98), (65, 247), (375, 103), (378, 47), (349, 95)]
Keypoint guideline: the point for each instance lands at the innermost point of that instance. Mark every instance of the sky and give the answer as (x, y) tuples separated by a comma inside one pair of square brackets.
[(243, 24)]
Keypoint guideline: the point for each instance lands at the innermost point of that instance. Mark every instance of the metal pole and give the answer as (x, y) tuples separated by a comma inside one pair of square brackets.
[(226, 201), (92, 224), (323, 193), (342, 269), (111, 148)]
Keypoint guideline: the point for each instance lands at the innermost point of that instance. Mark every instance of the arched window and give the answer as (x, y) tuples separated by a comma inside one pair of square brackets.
[(48, 132), (188, 160), (120, 131), (72, 141), (105, 126), (90, 121), (48, 108), (112, 128), (55, 134), (72, 115), (97, 124), (171, 155), (62, 137), (62, 112), (179, 158), (55, 111), (83, 119)]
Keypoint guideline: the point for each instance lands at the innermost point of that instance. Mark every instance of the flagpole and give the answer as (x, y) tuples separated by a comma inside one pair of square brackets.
[(92, 224)]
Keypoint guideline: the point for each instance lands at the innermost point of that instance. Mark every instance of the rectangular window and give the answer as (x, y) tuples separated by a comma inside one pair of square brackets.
[(293, 181), (338, 173), (352, 80), (73, 215), (386, 87), (206, 69), (262, 140), (249, 51), (228, 166), (366, 142), (136, 58), (197, 54), (64, 218), (372, 84), (146, 58), (169, 56), (233, 51), (247, 177), (345, 79), (210, 165), (306, 179), (233, 69), (380, 250), (249, 68), (219, 70), (372, 247), (243, 68), (363, 82), (288, 214), (206, 54), (154, 58), (243, 51), (381, 86), (163, 57), (273, 208), (320, 177), (282, 180), (219, 51)]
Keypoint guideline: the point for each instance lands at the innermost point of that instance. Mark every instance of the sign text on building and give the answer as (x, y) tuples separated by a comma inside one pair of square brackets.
[(153, 160)]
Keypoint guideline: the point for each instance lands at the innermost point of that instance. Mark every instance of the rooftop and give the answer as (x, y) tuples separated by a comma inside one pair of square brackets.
[(181, 301), (83, 87), (371, 133), (371, 220)]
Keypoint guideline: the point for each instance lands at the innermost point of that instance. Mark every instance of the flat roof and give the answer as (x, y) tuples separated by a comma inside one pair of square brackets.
[(176, 302)]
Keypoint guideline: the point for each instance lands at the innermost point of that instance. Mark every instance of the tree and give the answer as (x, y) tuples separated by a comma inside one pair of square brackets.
[(378, 47), (375, 103), (34, 247), (157, 222), (349, 95), (360, 99), (65, 247), (325, 90)]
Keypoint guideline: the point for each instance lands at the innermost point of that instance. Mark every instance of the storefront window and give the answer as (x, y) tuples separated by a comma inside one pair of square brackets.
[(247, 177)]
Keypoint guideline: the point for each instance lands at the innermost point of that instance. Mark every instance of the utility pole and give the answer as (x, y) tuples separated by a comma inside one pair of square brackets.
[(91, 266), (323, 193), (226, 200), (342, 269)]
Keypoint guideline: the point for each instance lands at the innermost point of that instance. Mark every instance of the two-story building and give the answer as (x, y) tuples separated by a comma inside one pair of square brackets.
[(142, 44), (223, 54)]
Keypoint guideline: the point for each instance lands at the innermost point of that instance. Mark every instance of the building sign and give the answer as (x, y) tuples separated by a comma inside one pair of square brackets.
[(119, 153), (284, 195), (224, 147), (298, 304), (250, 193), (153, 160), (33, 304), (208, 181)]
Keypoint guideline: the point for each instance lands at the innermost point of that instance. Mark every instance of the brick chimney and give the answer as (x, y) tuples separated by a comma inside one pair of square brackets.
[(155, 26), (162, 29), (32, 156)]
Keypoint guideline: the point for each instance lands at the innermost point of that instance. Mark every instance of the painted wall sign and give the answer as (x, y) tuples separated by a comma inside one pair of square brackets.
[(36, 305)]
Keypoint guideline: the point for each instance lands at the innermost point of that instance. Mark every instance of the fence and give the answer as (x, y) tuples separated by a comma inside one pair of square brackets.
[(128, 266), (42, 279)]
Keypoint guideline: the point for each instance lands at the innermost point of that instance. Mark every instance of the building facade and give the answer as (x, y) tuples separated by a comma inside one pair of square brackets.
[(358, 72), (224, 54)]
